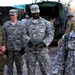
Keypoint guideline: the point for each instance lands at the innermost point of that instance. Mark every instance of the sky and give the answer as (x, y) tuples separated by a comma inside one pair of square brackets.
[(20, 2)]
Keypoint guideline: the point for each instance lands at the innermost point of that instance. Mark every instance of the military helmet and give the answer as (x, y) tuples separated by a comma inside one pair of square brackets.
[(70, 14), (26, 16), (13, 12), (34, 8)]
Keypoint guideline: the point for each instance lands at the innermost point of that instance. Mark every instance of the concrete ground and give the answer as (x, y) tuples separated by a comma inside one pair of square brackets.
[(52, 54)]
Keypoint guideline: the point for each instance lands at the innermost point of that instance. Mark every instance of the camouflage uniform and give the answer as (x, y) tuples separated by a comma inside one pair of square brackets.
[(15, 36), (2, 62), (70, 25), (39, 31), (64, 63)]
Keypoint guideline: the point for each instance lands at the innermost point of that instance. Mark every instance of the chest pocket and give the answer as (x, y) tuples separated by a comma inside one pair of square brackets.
[(41, 28), (9, 30), (36, 28)]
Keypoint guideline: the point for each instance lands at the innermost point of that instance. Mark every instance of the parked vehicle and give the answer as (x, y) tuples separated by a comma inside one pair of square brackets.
[(4, 13)]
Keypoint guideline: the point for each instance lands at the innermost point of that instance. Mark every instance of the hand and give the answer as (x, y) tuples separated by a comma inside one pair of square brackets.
[(30, 45), (33, 41), (22, 51), (1, 53), (41, 45), (59, 42), (3, 48)]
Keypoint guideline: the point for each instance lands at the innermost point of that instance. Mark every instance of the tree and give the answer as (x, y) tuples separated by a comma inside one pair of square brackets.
[(40, 0), (59, 0), (69, 2)]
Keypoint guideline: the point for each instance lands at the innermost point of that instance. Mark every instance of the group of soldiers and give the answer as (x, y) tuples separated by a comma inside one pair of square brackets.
[(33, 39)]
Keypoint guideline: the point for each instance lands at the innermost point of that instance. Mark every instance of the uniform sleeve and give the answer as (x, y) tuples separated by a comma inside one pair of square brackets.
[(58, 64), (25, 37), (3, 43), (68, 27), (4, 33), (49, 34)]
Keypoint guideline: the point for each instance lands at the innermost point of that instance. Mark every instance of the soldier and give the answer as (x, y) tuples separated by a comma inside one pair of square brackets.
[(64, 63), (41, 35), (70, 24), (2, 50), (51, 21), (14, 32), (25, 19)]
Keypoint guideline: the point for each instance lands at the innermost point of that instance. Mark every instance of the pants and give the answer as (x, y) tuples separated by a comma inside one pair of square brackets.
[(43, 60), (17, 57), (2, 63)]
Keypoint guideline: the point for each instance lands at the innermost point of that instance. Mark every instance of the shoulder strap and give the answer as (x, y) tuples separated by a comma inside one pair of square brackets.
[(66, 36), (66, 50), (66, 45)]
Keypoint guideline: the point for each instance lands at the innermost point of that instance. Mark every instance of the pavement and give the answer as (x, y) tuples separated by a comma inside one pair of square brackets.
[(52, 54)]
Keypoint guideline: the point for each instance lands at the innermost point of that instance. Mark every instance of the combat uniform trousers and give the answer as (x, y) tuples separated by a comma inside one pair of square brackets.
[(2, 63), (17, 57), (43, 60)]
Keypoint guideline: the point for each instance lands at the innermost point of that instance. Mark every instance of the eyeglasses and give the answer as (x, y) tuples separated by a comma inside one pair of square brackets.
[(35, 13)]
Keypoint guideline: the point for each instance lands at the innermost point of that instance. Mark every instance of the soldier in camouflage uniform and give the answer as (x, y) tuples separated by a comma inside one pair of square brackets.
[(41, 35), (64, 63), (15, 33), (2, 50), (70, 24)]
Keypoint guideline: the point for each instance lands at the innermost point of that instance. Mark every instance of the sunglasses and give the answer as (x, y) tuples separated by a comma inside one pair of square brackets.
[(11, 15), (35, 13)]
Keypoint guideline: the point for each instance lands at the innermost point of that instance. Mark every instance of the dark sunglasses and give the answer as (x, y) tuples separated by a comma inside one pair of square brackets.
[(11, 15), (35, 13)]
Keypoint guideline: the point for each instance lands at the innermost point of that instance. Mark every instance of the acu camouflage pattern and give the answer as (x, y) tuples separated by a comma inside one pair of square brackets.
[(39, 31), (14, 55), (15, 35), (61, 65), (15, 40), (43, 60), (70, 25)]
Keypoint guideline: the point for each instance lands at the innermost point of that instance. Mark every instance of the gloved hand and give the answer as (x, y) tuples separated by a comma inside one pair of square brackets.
[(30, 45), (22, 51), (41, 45), (33, 42)]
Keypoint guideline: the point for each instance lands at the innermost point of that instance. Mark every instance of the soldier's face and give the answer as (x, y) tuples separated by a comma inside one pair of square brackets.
[(13, 17), (35, 15), (70, 17)]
